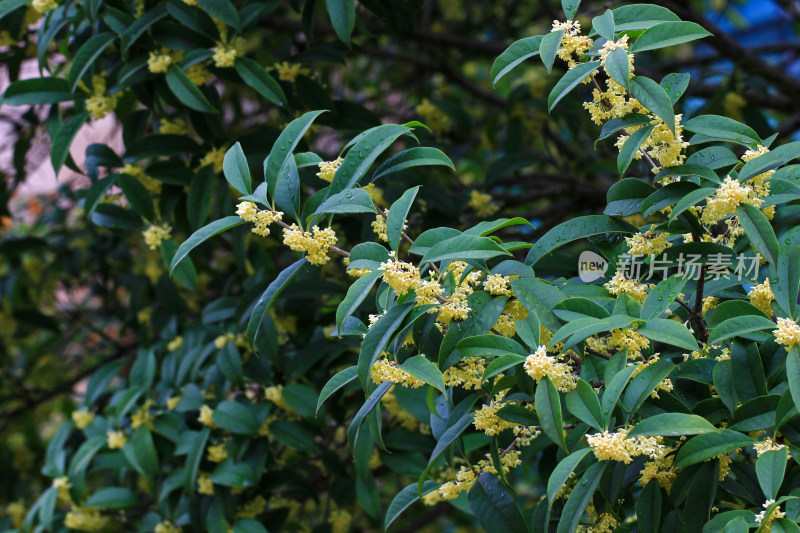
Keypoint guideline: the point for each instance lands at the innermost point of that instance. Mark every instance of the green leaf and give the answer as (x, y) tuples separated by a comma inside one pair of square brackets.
[(114, 216), (613, 391), (739, 325), (413, 157), (424, 370), (648, 509), (230, 474), (141, 25), (668, 34), (140, 451), (185, 274), (618, 66), (672, 425), (112, 498), (514, 55), (449, 436), (793, 374), (773, 159), (9, 6), (86, 56), (195, 445), (570, 80), (583, 403), (396, 218), (494, 508), (577, 307), (338, 381), (548, 48), (248, 525), (202, 235), (652, 96), (604, 25), (770, 469), (565, 468), (268, 296), (689, 170), (37, 91), (660, 297), (518, 415), (580, 497), (236, 418), (570, 8), (723, 129), (759, 231), (737, 525), (200, 191), (347, 201), (138, 196), (257, 77), (574, 229), (378, 337), (708, 445), (367, 408), (405, 499), (501, 364), (690, 200), (631, 147), (675, 85), (355, 295), (284, 147), (578, 330), (62, 140), (548, 408), (186, 91), (463, 247), (224, 10), (343, 17), (236, 171), (641, 16), (787, 286), (644, 383), (615, 125), (490, 344), (669, 332), (369, 146)]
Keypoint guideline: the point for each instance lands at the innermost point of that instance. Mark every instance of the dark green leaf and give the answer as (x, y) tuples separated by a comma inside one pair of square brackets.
[(202, 235), (494, 508)]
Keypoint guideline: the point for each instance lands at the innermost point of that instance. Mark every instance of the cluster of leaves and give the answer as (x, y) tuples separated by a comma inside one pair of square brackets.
[(222, 416)]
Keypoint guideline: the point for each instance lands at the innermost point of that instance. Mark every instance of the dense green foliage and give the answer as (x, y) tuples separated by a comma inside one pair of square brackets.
[(380, 341)]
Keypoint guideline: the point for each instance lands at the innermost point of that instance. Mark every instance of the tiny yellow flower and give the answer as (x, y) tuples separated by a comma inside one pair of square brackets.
[(116, 439), (82, 418), (205, 416)]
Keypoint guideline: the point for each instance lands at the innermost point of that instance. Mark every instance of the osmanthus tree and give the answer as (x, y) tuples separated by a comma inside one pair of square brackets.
[(349, 354)]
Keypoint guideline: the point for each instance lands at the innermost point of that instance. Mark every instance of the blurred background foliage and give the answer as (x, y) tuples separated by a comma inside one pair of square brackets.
[(87, 308)]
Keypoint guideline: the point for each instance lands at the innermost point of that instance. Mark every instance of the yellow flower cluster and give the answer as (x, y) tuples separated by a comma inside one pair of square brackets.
[(63, 486), (225, 54), (327, 169), (611, 103), (572, 43), (482, 203), (143, 417), (214, 157), (629, 339), (538, 365), (100, 103), (82, 418), (788, 333), (43, 6), (661, 471), (486, 418), (159, 62), (167, 527), (253, 508), (154, 234), (468, 373), (761, 296), (217, 453), (16, 512), (379, 228), (315, 242), (649, 243), (603, 523), (497, 285), (274, 394), (261, 218), (289, 71), (175, 343), (375, 193), (138, 172), (205, 416), (116, 439), (88, 519), (767, 445), (173, 127), (340, 520), (507, 322), (398, 414), (709, 303), (384, 371), (759, 182), (619, 284), (205, 485), (617, 447), (764, 520), (466, 476), (435, 118), (199, 74), (403, 277), (725, 201)]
